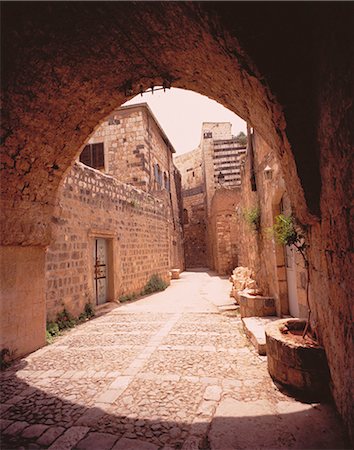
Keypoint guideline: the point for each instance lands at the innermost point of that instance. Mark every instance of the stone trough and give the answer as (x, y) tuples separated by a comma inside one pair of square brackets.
[(299, 366)]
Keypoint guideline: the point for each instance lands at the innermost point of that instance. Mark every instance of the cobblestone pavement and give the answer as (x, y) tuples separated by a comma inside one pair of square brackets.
[(165, 372)]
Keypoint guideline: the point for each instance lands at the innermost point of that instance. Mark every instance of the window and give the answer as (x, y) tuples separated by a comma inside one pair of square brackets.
[(166, 182), (93, 156), (208, 135), (158, 174)]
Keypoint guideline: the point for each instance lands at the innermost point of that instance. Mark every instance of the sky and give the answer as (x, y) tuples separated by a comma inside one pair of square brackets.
[(181, 114)]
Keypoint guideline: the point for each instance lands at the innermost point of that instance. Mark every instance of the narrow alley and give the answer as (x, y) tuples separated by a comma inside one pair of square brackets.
[(168, 371)]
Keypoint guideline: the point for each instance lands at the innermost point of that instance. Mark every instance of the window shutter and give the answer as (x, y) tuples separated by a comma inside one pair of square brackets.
[(93, 156), (98, 156), (85, 156)]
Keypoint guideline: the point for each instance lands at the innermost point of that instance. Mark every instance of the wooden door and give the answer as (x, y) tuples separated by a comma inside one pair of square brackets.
[(100, 270)]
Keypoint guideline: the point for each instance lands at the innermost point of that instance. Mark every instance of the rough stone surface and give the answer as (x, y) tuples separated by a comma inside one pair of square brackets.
[(50, 436), (34, 431), (240, 425), (69, 439), (255, 329), (212, 393), (95, 441), (194, 359), (16, 428), (256, 305), (130, 444)]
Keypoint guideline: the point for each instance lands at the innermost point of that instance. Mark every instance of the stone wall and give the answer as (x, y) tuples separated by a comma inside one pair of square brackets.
[(143, 232), (258, 249), (223, 231), (138, 226), (190, 166), (195, 230), (133, 144)]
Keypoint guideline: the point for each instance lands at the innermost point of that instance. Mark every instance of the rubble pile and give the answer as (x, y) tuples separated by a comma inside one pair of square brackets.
[(243, 281)]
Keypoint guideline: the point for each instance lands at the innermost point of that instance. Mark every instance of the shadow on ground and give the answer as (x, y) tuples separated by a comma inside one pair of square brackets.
[(33, 418)]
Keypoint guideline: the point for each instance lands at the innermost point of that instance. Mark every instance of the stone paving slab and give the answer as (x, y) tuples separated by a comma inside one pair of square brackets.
[(97, 441), (157, 374), (244, 425)]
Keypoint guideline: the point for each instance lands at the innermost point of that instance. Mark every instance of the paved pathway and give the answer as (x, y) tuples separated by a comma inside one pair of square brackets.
[(164, 372)]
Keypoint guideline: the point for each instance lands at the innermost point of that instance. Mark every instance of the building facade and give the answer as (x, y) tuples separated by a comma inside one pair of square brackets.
[(119, 215), (214, 165)]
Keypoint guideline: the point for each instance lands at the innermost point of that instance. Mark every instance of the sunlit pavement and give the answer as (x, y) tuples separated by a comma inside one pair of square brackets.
[(164, 372)]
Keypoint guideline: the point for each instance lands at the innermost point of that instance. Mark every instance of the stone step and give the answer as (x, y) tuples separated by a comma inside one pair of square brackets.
[(230, 307), (255, 330)]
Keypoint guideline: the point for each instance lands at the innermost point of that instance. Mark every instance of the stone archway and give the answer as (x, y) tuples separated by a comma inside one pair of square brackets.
[(67, 66)]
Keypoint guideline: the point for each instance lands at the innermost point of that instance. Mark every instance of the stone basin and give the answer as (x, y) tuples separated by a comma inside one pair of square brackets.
[(299, 366)]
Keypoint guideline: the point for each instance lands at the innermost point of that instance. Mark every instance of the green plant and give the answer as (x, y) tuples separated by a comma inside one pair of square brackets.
[(52, 331), (127, 297), (252, 217), (286, 231), (89, 310), (65, 320), (53, 328), (155, 284)]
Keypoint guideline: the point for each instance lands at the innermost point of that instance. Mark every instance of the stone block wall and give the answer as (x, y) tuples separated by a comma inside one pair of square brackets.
[(257, 249), (223, 239), (133, 144), (138, 227), (21, 321), (195, 230)]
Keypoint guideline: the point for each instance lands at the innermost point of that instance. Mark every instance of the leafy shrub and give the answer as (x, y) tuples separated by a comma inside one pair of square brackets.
[(65, 320), (155, 284), (127, 297), (253, 217), (52, 331), (53, 328), (89, 310), (285, 231)]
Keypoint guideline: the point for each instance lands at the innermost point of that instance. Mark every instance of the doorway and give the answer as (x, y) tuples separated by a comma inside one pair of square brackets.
[(101, 270), (290, 266)]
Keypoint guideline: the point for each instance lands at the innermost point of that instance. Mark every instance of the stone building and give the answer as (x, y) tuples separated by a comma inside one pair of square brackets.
[(214, 164), (119, 219)]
